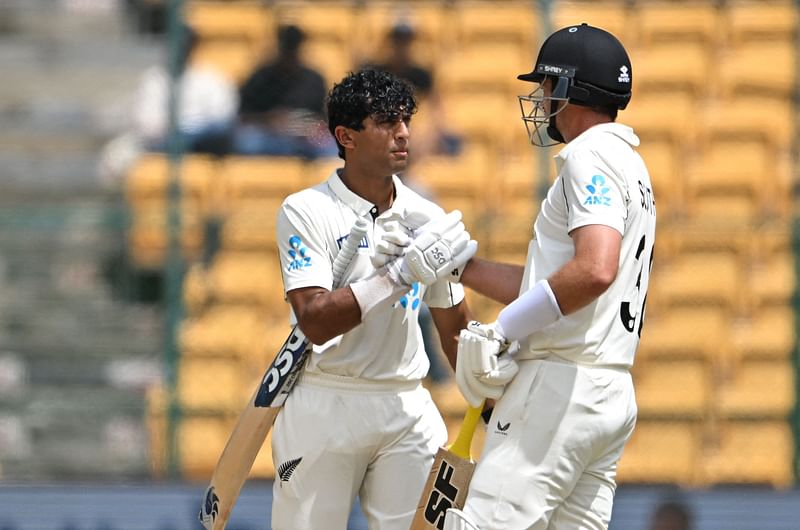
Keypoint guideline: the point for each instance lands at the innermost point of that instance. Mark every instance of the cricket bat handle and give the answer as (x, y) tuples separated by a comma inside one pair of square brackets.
[(461, 446)]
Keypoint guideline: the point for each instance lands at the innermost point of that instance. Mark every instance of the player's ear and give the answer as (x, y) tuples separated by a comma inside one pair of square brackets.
[(344, 136)]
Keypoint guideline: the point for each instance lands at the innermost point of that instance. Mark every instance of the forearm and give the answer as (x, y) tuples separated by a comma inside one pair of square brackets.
[(328, 314), (449, 323), (498, 281), (575, 286)]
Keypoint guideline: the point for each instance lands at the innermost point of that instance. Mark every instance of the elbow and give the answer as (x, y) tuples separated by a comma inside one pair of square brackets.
[(313, 333), (600, 279)]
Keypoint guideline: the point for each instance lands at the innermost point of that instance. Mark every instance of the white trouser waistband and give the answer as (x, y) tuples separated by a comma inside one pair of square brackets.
[(527, 355), (340, 382)]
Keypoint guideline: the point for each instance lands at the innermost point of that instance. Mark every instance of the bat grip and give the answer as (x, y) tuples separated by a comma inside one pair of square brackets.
[(348, 250), (461, 447)]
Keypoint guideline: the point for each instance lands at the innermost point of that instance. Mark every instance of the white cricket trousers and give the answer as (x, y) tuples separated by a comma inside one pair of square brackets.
[(337, 438), (552, 447)]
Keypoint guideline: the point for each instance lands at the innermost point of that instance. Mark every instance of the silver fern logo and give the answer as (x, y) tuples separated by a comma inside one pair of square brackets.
[(210, 509), (286, 469)]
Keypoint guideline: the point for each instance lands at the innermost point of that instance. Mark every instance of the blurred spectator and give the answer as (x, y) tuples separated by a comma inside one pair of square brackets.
[(207, 104), (281, 110), (671, 515), (430, 135)]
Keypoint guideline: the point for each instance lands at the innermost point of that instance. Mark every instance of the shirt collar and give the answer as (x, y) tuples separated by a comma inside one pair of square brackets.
[(623, 132), (362, 206)]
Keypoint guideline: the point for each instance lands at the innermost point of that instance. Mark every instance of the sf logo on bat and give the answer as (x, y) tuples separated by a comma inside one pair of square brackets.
[(442, 497)]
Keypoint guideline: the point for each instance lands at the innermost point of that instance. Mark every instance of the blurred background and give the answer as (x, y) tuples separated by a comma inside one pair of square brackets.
[(145, 148)]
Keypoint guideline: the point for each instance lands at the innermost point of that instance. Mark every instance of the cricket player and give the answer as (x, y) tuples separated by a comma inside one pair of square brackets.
[(359, 422), (557, 358)]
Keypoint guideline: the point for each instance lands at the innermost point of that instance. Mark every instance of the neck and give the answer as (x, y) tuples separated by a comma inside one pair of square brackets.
[(575, 120), (377, 190)]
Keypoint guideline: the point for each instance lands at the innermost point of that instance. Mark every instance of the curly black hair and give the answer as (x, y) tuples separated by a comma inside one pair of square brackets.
[(366, 93)]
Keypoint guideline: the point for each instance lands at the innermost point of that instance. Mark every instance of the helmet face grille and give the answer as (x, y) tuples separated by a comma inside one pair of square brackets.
[(535, 115)]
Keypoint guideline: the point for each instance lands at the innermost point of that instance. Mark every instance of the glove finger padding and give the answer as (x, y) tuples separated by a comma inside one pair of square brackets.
[(472, 348), (441, 225), (390, 243)]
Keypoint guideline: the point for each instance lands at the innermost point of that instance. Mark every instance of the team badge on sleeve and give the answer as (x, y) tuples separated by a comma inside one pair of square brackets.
[(598, 192), (297, 254)]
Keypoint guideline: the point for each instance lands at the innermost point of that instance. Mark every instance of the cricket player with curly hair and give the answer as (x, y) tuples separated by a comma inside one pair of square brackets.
[(359, 422)]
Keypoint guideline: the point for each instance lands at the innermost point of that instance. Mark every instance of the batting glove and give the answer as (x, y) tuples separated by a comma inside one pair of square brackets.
[(440, 247), (483, 366), (391, 241)]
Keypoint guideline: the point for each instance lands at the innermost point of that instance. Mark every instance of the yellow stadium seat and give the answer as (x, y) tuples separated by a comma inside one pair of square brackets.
[(757, 389), (485, 69), (332, 60), (201, 439), (486, 118), (224, 331), (211, 383), (482, 21), (688, 237), (148, 236), (664, 116), (730, 168), (754, 20), (724, 210), (742, 71), (663, 162), (700, 279), (750, 452), (729, 120), (768, 334), (322, 21), (233, 59), (261, 177), (661, 452), (681, 67), (689, 332), (246, 278), (675, 22), (251, 226), (675, 389), (772, 282), (149, 179), (244, 21), (611, 16), (433, 33)]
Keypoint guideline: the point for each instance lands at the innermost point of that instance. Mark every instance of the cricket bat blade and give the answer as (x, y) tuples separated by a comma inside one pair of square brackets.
[(448, 480)]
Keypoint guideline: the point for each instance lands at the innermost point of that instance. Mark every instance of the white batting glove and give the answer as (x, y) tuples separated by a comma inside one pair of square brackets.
[(440, 246), (391, 241), (483, 367)]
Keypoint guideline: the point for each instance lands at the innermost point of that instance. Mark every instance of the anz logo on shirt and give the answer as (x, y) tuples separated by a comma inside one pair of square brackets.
[(598, 192), (297, 254)]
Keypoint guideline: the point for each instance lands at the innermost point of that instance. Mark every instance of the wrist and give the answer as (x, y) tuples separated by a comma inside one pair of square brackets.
[(376, 291), (533, 311)]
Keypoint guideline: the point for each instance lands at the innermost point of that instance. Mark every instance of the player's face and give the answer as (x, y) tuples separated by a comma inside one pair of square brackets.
[(383, 142)]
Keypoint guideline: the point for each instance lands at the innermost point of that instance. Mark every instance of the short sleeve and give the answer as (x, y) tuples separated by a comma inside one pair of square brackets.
[(305, 258), (444, 294), (594, 194)]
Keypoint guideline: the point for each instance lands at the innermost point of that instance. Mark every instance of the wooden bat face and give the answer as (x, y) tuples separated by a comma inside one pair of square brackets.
[(448, 481), (445, 488)]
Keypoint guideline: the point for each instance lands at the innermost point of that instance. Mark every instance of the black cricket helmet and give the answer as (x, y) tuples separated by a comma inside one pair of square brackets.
[(589, 66)]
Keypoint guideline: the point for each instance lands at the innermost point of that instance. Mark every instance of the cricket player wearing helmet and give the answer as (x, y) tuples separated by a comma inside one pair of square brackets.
[(557, 358)]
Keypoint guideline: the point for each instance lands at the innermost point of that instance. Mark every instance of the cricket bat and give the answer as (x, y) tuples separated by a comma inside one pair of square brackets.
[(449, 478), (256, 419)]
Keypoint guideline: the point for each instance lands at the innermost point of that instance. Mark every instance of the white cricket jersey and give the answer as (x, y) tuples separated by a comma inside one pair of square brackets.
[(601, 180), (312, 224)]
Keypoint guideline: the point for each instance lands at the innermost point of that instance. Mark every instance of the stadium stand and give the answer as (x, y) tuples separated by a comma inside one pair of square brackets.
[(719, 328)]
